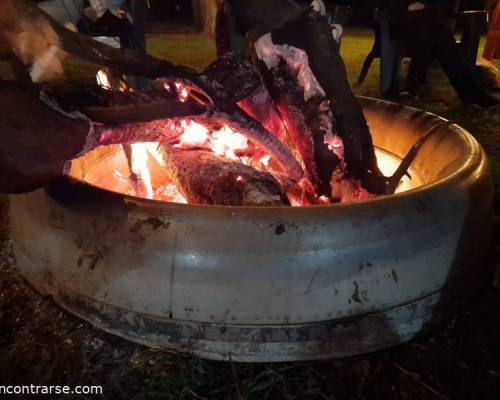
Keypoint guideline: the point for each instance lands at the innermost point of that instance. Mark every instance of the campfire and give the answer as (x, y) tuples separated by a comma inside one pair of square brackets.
[(259, 284), (110, 170), (210, 161), (279, 128)]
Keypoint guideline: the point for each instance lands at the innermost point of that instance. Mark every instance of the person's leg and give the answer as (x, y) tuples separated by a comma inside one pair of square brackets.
[(415, 31), (448, 53)]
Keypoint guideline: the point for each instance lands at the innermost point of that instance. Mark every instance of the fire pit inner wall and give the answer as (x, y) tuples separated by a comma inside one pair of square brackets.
[(269, 283)]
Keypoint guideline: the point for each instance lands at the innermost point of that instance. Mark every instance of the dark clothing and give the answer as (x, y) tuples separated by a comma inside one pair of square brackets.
[(425, 38), (422, 33)]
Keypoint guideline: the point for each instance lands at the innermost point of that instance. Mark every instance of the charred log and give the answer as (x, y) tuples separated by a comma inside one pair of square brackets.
[(298, 26), (304, 123), (235, 74), (121, 107), (253, 20), (205, 178), (350, 123)]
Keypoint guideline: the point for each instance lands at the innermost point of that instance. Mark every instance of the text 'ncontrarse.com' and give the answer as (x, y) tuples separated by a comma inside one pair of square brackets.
[(49, 390)]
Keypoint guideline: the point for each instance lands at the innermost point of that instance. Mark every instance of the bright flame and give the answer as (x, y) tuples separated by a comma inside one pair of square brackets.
[(388, 164), (194, 134), (183, 95), (225, 142), (183, 91), (265, 160), (140, 167), (153, 151), (103, 80)]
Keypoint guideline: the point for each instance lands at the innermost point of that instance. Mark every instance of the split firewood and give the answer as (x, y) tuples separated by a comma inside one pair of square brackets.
[(349, 121), (203, 177), (120, 107)]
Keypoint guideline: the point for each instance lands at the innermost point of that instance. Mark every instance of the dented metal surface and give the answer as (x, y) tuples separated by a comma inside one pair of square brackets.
[(270, 284)]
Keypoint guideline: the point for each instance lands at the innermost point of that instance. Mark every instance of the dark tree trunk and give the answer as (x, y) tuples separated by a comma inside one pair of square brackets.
[(204, 15)]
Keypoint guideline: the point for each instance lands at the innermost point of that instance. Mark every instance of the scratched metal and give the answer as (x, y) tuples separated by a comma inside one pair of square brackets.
[(270, 284)]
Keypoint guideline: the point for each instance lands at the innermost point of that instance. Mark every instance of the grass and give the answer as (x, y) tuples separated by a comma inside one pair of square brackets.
[(40, 344)]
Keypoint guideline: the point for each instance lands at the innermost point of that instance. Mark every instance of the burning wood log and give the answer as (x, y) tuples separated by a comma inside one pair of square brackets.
[(202, 177), (303, 123)]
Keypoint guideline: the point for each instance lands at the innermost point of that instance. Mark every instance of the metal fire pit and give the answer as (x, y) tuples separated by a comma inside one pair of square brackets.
[(270, 284)]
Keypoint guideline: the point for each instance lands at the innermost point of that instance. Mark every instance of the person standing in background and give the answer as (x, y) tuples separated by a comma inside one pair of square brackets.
[(426, 37), (492, 47)]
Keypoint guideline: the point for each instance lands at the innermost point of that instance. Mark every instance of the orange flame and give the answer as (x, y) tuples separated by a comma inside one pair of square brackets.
[(140, 167)]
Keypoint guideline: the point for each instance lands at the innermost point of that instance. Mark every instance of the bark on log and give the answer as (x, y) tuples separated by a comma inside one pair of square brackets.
[(205, 178), (235, 74), (350, 123), (116, 107)]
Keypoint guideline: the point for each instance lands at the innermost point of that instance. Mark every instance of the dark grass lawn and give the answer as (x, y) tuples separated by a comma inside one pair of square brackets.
[(41, 344)]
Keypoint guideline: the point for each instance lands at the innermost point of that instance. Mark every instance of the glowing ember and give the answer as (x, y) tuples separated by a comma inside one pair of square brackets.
[(388, 163), (183, 91)]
